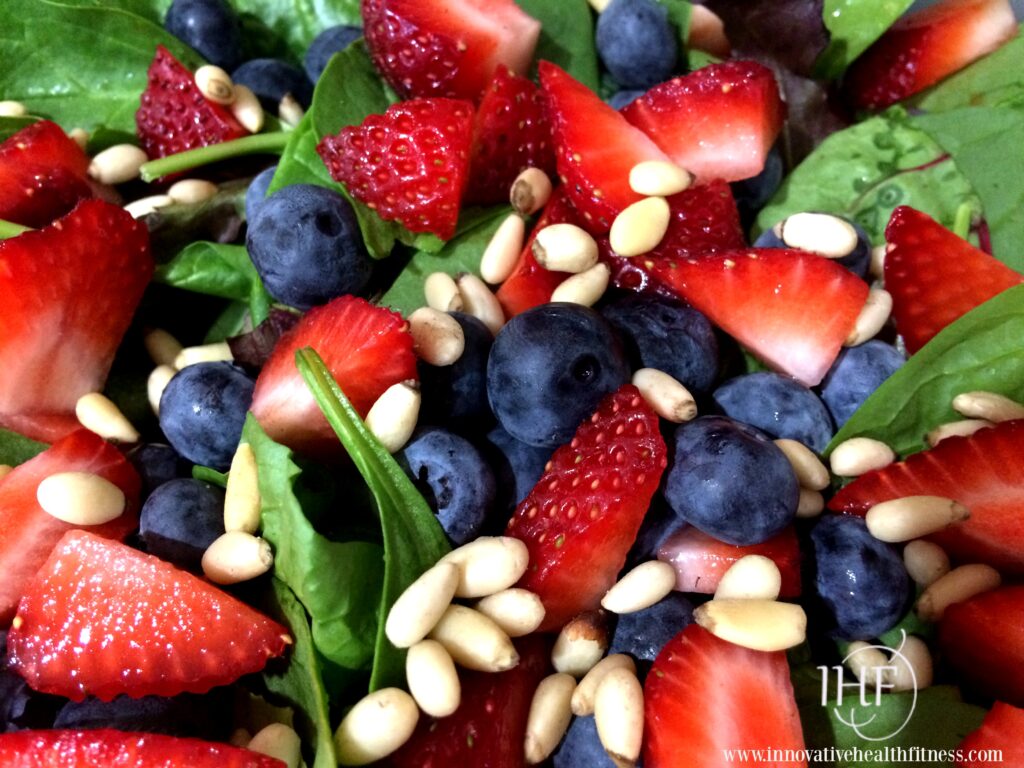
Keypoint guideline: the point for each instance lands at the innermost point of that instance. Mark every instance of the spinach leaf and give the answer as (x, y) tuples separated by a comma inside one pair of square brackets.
[(854, 25), (229, 323), (980, 351), (299, 163), (11, 125), (566, 37), (16, 449), (151, 10), (988, 82), (215, 269), (297, 22), (679, 17), (413, 539)]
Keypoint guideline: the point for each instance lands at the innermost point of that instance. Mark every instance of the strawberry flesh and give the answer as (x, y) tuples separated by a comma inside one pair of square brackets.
[(1001, 730)]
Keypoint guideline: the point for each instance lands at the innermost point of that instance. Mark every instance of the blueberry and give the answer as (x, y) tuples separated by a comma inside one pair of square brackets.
[(306, 246), (156, 464), (856, 259), (625, 97), (752, 194), (517, 466), (181, 519), (257, 191), (456, 481), (778, 405), (856, 373), (731, 481), (549, 368), (667, 335), (210, 27), (456, 395), (202, 412), (272, 79), (637, 42), (861, 580), (643, 634), (325, 45), (581, 747), (185, 715)]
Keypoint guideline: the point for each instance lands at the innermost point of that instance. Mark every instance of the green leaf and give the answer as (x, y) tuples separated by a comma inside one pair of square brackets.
[(297, 22), (679, 17), (215, 269), (980, 351), (209, 475), (151, 10), (16, 449), (413, 539), (229, 323), (992, 80), (299, 163), (349, 91), (853, 26), (11, 125), (566, 37)]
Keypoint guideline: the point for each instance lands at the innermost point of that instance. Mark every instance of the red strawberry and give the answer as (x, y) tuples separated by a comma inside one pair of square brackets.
[(366, 348), (983, 639), (409, 164), (595, 148), (447, 47), (923, 47), (43, 174), (488, 728), (704, 696), (793, 309), (717, 122), (102, 619), (1001, 730), (28, 534), (174, 115), (511, 133), (936, 277), (107, 748), (701, 561), (68, 293), (581, 518), (981, 471)]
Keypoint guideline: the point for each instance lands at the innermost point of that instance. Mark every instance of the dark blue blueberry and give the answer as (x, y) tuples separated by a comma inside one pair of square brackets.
[(731, 481), (856, 373), (517, 467), (20, 706), (581, 747), (643, 634), (857, 261), (637, 42), (185, 715), (752, 194), (454, 478), (667, 335), (456, 395), (777, 405), (272, 79), (861, 580), (624, 97), (325, 45), (659, 523), (180, 519), (549, 368), (202, 412), (210, 27), (156, 464), (306, 246), (257, 191)]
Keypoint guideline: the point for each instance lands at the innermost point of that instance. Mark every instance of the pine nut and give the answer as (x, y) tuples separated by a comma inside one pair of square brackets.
[(99, 414), (640, 227), (752, 577), (809, 470), (433, 681), (279, 741), (158, 380), (203, 353), (860, 455), (5, 470), (910, 666), (658, 178), (962, 428), (162, 347), (669, 398), (581, 644), (247, 109), (80, 136), (144, 206), (549, 717), (912, 517), (641, 588), (376, 726), (530, 191), (877, 267), (437, 337), (958, 585), (488, 565), (12, 109), (442, 293), (761, 625), (117, 164), (599, 5), (867, 662), (479, 301), (502, 252), (810, 504), (290, 111), (418, 609), (872, 318), (925, 561), (242, 495), (619, 716), (215, 84), (191, 191), (564, 248), (987, 405), (80, 498), (822, 233), (585, 288), (237, 556), (474, 641), (583, 697), (517, 611), (392, 418)]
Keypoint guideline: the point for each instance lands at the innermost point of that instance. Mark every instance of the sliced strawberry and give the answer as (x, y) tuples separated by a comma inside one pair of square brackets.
[(103, 619), (793, 309), (107, 748), (981, 471), (983, 639), (936, 277), (704, 697), (68, 293), (701, 561), (595, 148), (511, 132), (581, 518), (174, 115), (410, 164), (366, 348), (717, 122), (923, 47), (447, 47), (1002, 730)]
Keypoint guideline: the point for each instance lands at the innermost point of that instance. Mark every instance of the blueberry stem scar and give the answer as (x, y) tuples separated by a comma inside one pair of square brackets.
[(260, 143), (10, 229)]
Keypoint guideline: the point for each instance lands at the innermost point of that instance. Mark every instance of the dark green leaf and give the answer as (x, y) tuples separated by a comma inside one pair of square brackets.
[(299, 163), (679, 17), (229, 323), (16, 449), (853, 26), (988, 82), (174, 227), (349, 91), (11, 125), (566, 37), (215, 269), (151, 10), (297, 22)]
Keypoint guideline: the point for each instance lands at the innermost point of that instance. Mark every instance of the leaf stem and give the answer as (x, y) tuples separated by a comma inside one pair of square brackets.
[(10, 229), (257, 144), (962, 222)]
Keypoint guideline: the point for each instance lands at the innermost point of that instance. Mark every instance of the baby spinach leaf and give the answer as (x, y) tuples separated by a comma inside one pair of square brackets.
[(566, 37), (215, 269), (853, 26), (11, 125), (349, 91), (990, 81), (299, 163), (16, 449), (297, 22)]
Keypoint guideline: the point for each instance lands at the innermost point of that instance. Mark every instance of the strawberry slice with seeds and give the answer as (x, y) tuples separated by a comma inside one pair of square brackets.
[(936, 277), (793, 309), (1001, 730), (174, 116), (102, 619), (410, 164), (365, 347), (583, 515), (68, 293), (981, 471), (705, 696)]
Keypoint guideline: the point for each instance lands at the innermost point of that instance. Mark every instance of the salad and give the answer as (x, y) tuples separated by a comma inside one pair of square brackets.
[(492, 383)]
